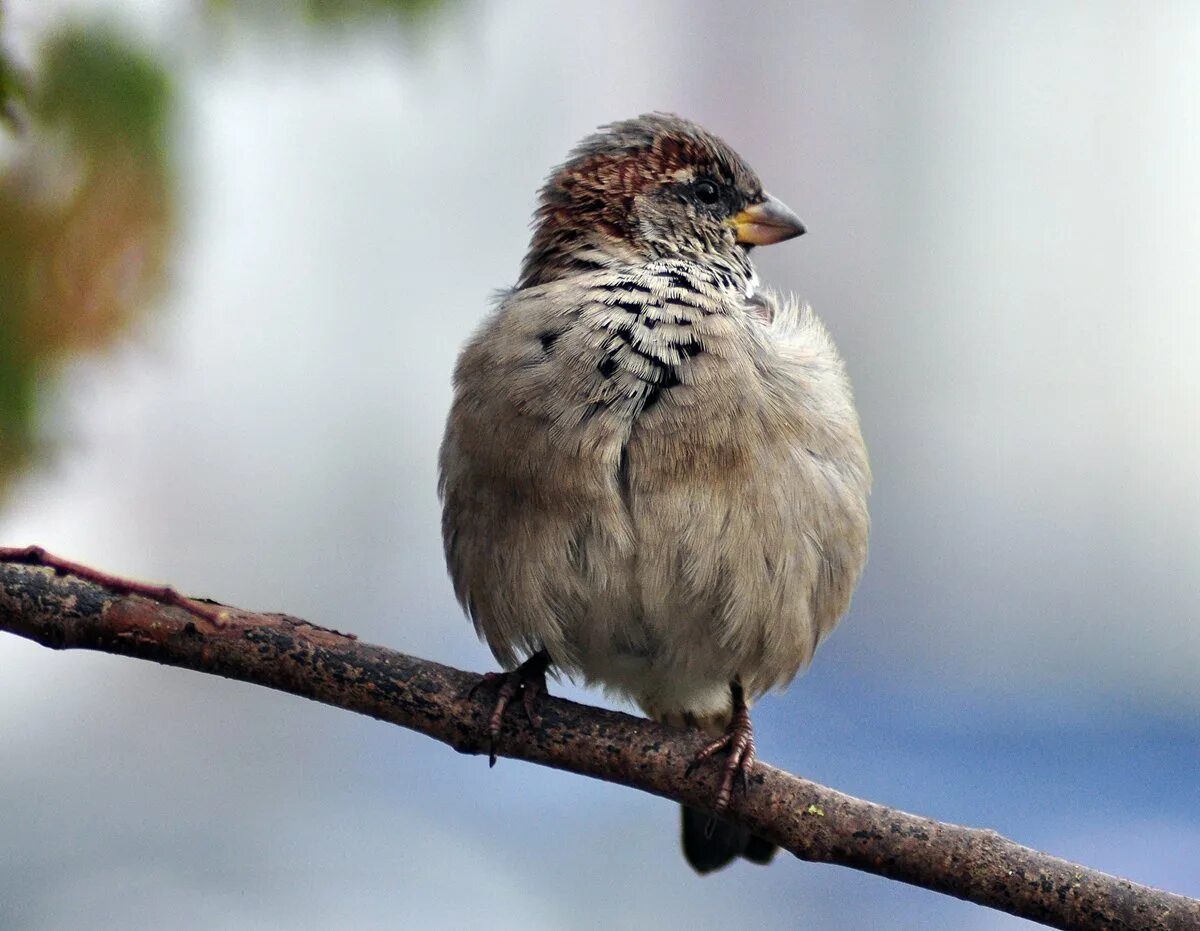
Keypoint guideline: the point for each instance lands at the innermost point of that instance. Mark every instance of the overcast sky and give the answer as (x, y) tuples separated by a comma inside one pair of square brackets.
[(1004, 211)]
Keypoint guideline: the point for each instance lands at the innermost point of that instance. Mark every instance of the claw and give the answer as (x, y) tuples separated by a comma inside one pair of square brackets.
[(738, 742), (529, 696), (529, 680)]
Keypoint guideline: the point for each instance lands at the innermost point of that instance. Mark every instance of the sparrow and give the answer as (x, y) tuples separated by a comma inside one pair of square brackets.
[(653, 477)]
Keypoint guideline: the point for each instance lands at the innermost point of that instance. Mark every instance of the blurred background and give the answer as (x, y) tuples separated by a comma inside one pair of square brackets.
[(240, 245)]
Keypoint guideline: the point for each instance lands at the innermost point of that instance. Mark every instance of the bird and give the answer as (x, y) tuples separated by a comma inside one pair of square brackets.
[(653, 477)]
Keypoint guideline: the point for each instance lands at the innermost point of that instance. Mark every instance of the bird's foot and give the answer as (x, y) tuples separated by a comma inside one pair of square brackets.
[(528, 680), (738, 742)]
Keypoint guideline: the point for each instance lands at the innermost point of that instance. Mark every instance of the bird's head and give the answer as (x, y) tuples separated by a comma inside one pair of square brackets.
[(653, 187)]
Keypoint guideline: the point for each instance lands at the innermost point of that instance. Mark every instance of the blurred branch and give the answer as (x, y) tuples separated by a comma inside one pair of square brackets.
[(63, 611)]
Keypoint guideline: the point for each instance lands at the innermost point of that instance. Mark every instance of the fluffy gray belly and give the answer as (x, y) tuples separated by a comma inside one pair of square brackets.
[(719, 584)]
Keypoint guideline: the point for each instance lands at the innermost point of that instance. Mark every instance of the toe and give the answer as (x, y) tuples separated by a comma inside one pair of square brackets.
[(529, 700)]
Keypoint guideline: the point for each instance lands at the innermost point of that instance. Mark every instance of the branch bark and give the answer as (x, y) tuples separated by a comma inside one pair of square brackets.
[(64, 611)]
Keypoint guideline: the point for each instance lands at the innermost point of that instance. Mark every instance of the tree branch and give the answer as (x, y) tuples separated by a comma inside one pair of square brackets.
[(64, 611)]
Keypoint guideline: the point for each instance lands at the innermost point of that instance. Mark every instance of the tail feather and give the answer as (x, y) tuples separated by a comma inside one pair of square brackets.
[(759, 850), (711, 843)]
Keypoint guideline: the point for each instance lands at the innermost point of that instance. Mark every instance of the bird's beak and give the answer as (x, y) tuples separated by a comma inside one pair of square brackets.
[(766, 223)]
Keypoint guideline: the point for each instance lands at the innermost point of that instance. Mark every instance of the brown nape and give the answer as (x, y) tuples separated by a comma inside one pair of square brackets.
[(589, 199)]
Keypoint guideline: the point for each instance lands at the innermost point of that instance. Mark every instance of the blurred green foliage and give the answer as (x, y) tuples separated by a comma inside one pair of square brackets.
[(103, 92), (12, 91), (84, 210), (331, 11), (85, 195)]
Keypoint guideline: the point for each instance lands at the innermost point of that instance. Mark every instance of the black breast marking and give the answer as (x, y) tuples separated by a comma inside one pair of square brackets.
[(661, 357), (625, 287), (646, 348), (636, 344), (655, 392)]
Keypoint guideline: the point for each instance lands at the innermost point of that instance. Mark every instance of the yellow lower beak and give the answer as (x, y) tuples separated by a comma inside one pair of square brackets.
[(766, 223)]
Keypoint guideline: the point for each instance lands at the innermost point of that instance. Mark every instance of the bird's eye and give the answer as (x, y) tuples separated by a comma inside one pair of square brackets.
[(706, 191)]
